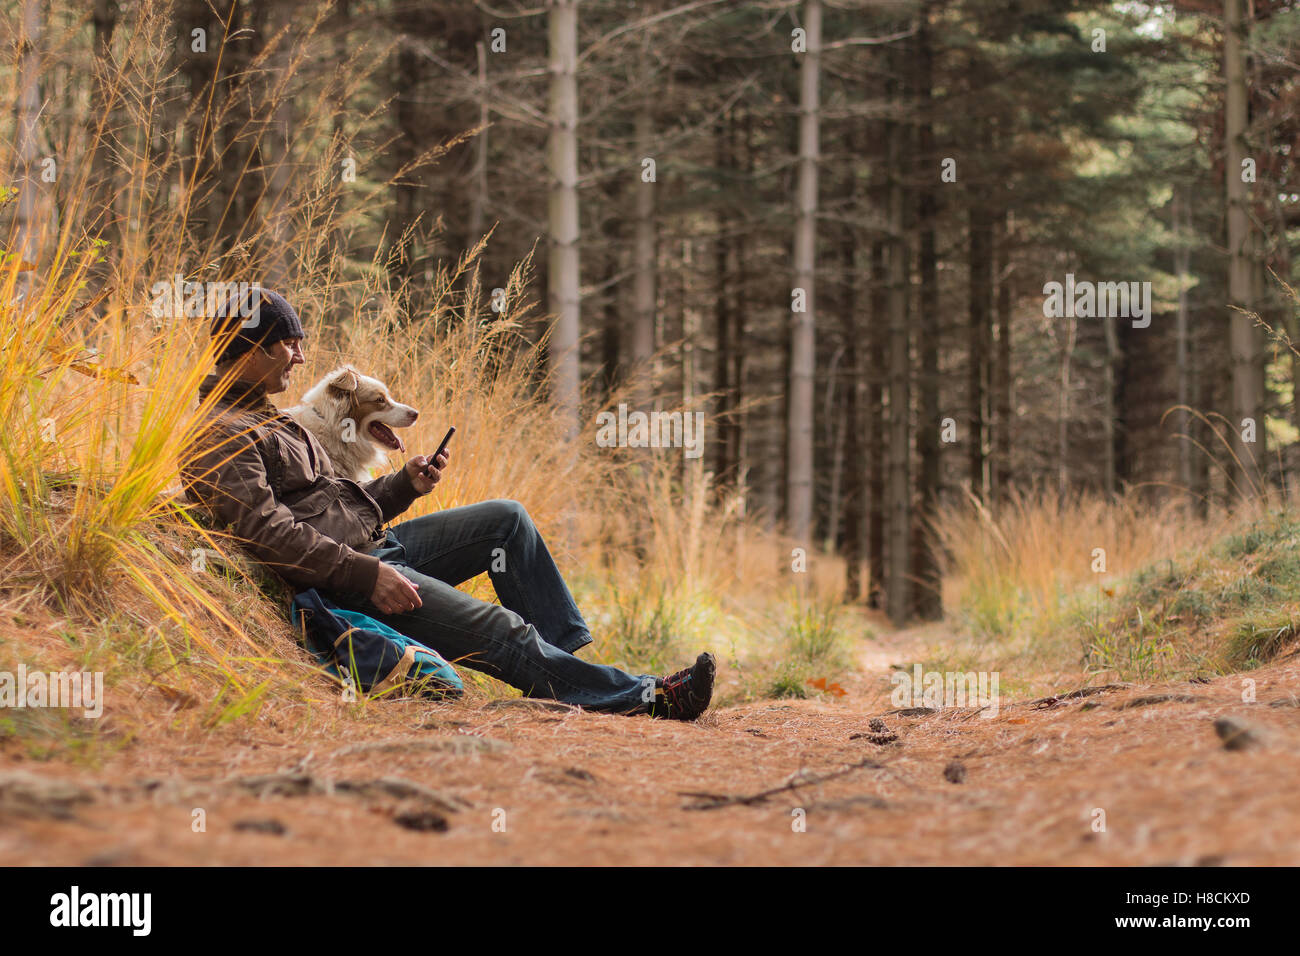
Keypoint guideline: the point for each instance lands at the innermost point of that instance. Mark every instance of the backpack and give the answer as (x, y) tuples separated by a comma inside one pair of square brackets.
[(369, 654)]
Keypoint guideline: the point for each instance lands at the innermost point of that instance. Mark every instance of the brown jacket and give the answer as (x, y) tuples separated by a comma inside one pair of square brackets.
[(268, 479)]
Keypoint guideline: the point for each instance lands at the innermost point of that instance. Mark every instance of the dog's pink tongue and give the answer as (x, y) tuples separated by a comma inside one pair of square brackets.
[(387, 436)]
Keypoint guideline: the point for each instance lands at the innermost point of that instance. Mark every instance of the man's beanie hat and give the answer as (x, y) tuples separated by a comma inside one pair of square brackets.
[(256, 316)]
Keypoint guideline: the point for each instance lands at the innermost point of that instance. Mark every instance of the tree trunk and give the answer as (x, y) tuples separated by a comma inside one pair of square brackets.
[(331, 253), (644, 265), (1003, 380), (724, 313), (200, 193), (563, 266), (280, 134), (855, 484), (32, 224), (406, 193), (478, 190), (925, 568), (690, 323), (1246, 344), (981, 305), (1182, 420), (100, 192), (878, 336), (1109, 407), (898, 582), (834, 440), (803, 354), (739, 434), (1063, 409), (611, 344), (239, 166)]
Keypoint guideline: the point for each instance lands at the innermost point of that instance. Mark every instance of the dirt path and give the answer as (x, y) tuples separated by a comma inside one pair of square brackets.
[(523, 782)]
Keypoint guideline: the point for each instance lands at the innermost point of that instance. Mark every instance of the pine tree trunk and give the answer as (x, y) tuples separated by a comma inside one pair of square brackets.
[(330, 254), (833, 416), (1182, 357), (1109, 409), (410, 124), (642, 346), (898, 583), (1207, 370), (803, 354), (855, 484), (100, 191), (725, 343), (981, 302), (30, 224), (279, 138), (239, 169), (925, 569), (563, 266), (478, 190), (878, 335), (1063, 408), (739, 434), (201, 192), (1246, 345), (1003, 379), (611, 343)]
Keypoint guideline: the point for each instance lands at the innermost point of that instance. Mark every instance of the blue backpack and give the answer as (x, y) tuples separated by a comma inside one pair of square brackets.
[(368, 653)]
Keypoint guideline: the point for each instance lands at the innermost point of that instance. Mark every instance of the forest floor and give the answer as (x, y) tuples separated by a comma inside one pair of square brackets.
[(1136, 774)]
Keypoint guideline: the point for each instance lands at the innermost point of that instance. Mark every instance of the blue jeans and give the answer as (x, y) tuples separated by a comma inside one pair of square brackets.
[(529, 639)]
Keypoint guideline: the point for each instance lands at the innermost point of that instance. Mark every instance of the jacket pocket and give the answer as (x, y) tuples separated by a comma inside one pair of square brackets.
[(313, 502), (328, 509)]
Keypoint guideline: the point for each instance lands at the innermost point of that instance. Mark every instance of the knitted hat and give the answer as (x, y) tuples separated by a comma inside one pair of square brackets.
[(257, 316)]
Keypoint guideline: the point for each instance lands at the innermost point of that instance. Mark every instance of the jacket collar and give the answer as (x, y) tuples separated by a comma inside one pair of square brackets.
[(240, 394)]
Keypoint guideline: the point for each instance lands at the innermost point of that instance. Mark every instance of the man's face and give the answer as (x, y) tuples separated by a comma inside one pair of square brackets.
[(271, 368)]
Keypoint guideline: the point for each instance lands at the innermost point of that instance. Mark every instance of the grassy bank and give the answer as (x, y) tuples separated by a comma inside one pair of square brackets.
[(1053, 593)]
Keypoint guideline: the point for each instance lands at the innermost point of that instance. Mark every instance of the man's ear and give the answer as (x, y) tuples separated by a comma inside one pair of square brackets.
[(346, 382)]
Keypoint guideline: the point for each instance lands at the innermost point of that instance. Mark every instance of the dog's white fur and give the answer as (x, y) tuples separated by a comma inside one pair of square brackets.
[(346, 396)]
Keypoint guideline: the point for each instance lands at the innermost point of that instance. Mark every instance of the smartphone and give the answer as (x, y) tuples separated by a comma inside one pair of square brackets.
[(441, 448)]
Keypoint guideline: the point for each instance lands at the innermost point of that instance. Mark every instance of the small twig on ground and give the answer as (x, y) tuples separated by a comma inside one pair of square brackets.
[(711, 801), (1044, 702)]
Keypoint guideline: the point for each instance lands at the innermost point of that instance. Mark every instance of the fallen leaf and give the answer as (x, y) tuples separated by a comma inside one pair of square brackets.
[(821, 684)]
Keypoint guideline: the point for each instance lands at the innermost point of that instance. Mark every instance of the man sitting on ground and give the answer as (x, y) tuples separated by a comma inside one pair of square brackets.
[(259, 472)]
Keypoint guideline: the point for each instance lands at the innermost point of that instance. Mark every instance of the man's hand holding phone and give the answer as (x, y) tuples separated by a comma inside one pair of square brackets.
[(425, 471), (394, 593)]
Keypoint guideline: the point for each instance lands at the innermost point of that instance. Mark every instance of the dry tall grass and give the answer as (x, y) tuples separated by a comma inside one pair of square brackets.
[(1038, 548), (1052, 590), (97, 388)]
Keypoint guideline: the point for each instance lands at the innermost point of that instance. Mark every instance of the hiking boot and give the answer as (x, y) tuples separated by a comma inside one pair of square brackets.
[(685, 695)]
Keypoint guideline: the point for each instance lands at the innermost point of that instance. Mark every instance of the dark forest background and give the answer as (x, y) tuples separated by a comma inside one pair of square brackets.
[(829, 224)]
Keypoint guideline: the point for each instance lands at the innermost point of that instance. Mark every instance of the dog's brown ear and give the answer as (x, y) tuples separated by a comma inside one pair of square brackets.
[(347, 382)]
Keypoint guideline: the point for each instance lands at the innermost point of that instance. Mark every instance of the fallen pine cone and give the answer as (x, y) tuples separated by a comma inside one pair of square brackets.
[(880, 734)]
